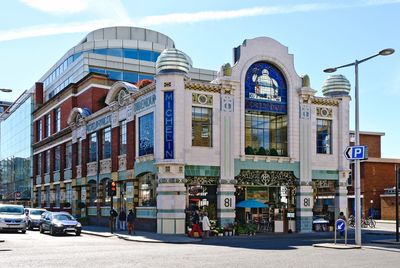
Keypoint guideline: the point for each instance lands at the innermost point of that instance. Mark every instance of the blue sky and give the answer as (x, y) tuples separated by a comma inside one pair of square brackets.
[(321, 34)]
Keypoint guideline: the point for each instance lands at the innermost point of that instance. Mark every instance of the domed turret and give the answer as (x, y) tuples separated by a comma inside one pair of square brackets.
[(173, 60), (335, 86)]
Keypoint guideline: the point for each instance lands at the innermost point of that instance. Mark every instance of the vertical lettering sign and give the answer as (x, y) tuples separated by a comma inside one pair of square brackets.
[(169, 125)]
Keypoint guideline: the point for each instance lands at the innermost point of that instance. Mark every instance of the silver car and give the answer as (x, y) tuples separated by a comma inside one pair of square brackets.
[(12, 217), (33, 217)]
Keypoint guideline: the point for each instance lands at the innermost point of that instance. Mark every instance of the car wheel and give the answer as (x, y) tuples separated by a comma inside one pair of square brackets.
[(52, 232), (23, 231), (78, 233), (41, 230)]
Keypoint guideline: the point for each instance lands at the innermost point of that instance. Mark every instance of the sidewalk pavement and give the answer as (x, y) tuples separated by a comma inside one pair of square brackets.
[(139, 236)]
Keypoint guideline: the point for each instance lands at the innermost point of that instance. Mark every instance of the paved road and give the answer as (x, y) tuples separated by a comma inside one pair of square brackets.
[(42, 250)]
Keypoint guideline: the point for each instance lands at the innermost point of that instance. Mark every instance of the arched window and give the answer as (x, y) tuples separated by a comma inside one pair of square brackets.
[(265, 111)]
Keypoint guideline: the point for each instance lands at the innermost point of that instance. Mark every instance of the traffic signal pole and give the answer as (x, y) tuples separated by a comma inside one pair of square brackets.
[(111, 215)]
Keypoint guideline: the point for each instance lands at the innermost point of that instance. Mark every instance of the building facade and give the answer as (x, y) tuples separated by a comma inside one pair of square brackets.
[(378, 179), (16, 151), (256, 131)]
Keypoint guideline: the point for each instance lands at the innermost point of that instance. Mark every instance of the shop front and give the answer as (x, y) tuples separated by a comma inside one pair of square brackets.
[(324, 204), (276, 190)]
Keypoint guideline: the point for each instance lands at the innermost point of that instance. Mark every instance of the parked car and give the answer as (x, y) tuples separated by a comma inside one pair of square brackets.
[(59, 223), (12, 217), (32, 217)]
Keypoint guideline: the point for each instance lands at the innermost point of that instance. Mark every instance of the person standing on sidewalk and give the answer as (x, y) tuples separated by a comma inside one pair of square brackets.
[(122, 220), (131, 222), (206, 225)]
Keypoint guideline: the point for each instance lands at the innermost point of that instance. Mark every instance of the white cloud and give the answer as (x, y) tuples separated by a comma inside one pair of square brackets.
[(54, 29), (117, 15), (58, 6)]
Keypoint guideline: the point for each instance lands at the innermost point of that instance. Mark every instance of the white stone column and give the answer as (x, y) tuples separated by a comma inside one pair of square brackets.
[(304, 192), (226, 189)]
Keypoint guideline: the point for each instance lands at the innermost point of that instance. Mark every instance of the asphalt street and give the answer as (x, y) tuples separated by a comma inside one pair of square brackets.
[(273, 250)]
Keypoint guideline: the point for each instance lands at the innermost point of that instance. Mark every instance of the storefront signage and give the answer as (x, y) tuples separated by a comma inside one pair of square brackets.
[(144, 103), (168, 125), (265, 88), (99, 124)]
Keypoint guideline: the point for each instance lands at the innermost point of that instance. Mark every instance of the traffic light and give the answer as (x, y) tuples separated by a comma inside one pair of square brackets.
[(111, 188)]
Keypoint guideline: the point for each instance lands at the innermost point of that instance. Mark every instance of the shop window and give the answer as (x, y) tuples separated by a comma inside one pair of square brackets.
[(201, 126), (107, 143), (146, 136), (324, 136), (147, 191), (265, 134), (92, 194)]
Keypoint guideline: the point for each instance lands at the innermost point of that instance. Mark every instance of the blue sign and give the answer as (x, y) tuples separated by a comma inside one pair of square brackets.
[(340, 225), (356, 152), (169, 125), (265, 89)]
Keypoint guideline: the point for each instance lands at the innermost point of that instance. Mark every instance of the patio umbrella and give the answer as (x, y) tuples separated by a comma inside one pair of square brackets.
[(251, 203)]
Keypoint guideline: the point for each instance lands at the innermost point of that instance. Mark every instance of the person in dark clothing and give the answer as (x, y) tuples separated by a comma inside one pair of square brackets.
[(195, 217), (131, 222), (122, 220)]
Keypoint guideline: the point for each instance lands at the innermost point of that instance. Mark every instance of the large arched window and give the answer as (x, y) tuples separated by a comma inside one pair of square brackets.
[(265, 110)]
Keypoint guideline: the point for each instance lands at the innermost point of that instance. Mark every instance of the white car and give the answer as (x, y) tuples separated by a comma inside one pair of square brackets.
[(12, 217)]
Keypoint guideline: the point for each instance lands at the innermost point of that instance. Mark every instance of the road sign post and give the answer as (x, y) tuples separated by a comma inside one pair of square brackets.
[(341, 225), (356, 152)]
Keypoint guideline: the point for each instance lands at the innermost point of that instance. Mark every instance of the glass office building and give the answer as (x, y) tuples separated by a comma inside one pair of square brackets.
[(15, 150)]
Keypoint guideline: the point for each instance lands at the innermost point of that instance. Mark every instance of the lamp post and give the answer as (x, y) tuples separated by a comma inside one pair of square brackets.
[(397, 202), (384, 52)]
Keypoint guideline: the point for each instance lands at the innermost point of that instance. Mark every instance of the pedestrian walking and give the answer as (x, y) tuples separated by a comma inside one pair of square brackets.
[(206, 225), (131, 222), (122, 220)]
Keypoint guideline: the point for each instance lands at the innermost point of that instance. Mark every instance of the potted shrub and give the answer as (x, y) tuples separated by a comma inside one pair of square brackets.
[(249, 150), (66, 204)]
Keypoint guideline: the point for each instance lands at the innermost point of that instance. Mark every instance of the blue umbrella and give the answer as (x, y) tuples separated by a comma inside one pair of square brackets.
[(251, 203)]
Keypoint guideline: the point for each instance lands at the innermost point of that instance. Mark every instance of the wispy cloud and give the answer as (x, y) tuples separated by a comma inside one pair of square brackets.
[(117, 15), (58, 6)]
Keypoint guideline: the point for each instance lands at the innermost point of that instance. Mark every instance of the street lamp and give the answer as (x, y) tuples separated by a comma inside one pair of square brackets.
[(370, 208), (5, 90), (384, 52)]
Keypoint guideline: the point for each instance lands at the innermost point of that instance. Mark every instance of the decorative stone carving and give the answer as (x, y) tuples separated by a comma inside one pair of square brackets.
[(202, 180), (324, 112), (305, 111), (171, 180), (79, 171), (267, 178), (226, 69), (129, 113), (114, 119), (306, 81), (122, 162), (105, 166), (91, 168), (227, 103), (202, 99)]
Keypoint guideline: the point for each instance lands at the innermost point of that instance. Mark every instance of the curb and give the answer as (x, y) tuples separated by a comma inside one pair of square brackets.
[(97, 234), (336, 246)]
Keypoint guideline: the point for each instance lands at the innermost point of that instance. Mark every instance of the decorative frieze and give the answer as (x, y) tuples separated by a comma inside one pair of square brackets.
[(227, 103), (266, 178), (91, 168), (105, 166), (324, 112), (203, 180)]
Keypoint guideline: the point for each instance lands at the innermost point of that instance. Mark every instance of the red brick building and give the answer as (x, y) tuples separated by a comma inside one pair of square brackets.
[(376, 174)]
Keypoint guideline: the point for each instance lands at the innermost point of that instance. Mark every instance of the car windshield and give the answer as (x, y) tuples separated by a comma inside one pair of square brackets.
[(11, 210), (63, 217), (37, 212)]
